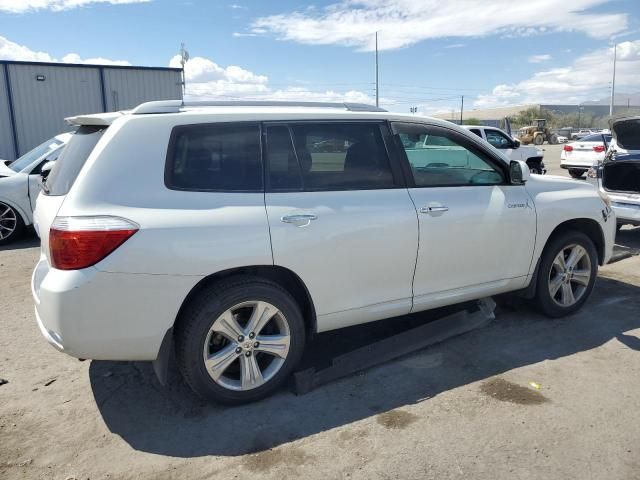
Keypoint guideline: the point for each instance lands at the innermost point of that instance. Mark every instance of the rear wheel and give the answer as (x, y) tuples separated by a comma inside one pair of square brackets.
[(11, 224), (575, 173), (553, 139), (240, 340), (567, 273)]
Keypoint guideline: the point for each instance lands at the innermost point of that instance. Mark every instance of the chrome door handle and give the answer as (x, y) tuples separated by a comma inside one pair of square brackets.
[(301, 220), (434, 210)]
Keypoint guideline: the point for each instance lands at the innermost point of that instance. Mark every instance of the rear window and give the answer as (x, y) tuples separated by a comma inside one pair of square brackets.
[(215, 158), (596, 137), (72, 159)]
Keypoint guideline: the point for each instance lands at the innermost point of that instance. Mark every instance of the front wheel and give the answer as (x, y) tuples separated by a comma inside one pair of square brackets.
[(567, 273), (239, 340), (538, 139)]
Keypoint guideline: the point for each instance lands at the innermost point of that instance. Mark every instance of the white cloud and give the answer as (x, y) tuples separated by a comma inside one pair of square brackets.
[(22, 6), (12, 51), (206, 80), (75, 58), (406, 22), (587, 78), (456, 45), (539, 58)]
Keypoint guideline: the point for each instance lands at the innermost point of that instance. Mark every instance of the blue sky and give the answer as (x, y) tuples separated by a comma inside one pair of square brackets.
[(495, 52)]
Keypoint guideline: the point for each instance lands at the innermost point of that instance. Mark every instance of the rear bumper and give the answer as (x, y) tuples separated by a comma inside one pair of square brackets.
[(106, 316), (568, 166)]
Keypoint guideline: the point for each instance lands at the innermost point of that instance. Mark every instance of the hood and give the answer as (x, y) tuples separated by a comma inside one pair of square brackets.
[(4, 170), (626, 132)]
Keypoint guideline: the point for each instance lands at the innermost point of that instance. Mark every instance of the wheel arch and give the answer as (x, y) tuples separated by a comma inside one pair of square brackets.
[(588, 226), (284, 277)]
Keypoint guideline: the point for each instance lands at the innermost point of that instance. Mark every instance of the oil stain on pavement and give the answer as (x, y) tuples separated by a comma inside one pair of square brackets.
[(506, 391)]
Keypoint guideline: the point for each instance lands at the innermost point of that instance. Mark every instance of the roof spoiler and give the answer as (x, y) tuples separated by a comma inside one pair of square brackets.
[(174, 106), (97, 119)]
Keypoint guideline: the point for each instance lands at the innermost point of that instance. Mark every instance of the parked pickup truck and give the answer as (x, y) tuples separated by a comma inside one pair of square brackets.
[(511, 147)]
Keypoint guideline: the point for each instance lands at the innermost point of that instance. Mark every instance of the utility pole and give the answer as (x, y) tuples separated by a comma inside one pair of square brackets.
[(377, 80), (184, 58), (613, 81), (461, 107)]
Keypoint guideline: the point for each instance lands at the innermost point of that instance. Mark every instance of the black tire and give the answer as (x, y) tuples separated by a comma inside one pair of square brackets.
[(196, 320), (543, 299), (538, 139), (553, 139), (10, 218), (576, 173)]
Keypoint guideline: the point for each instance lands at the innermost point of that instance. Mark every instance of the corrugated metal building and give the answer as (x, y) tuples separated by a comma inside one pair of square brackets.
[(36, 97)]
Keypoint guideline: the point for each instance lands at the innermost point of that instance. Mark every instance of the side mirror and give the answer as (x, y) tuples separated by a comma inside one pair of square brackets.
[(518, 172), (46, 170), (516, 143)]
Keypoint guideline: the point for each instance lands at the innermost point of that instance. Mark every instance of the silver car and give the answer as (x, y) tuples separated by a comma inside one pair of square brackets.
[(618, 174)]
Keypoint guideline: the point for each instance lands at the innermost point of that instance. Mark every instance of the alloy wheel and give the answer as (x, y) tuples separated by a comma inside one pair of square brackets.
[(247, 345), (8, 221), (570, 275)]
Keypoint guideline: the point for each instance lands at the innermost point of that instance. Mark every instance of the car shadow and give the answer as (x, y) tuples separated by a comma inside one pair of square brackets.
[(29, 240), (173, 421)]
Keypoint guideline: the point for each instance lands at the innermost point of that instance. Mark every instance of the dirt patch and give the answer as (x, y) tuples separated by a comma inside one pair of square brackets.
[(506, 391), (396, 419), (270, 459), (346, 436)]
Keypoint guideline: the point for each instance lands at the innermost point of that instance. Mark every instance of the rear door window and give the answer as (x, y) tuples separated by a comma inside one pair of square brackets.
[(332, 156), (72, 159), (217, 157)]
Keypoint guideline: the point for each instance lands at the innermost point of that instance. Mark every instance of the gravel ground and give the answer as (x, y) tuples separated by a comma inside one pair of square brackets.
[(463, 409)]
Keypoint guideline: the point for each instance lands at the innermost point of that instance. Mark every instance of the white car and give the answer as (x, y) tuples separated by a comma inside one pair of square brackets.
[(618, 175), (231, 234), (562, 139), (20, 185), (579, 156), (511, 147)]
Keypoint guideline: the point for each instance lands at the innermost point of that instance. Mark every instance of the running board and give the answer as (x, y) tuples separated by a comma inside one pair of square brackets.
[(396, 346)]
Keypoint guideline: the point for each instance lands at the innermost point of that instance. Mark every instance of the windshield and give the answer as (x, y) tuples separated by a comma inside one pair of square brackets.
[(31, 156)]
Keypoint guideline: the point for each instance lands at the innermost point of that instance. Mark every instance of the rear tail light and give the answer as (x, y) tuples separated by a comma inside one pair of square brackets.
[(79, 242), (598, 148), (567, 148)]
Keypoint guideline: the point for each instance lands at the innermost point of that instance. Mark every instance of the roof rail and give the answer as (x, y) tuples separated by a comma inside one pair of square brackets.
[(174, 106)]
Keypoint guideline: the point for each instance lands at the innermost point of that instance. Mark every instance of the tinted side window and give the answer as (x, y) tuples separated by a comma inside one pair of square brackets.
[(497, 139), (476, 131), (72, 159), (438, 158), (215, 158), (284, 170), (342, 156)]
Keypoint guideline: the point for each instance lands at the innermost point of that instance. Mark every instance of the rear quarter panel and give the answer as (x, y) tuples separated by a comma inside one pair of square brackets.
[(181, 232)]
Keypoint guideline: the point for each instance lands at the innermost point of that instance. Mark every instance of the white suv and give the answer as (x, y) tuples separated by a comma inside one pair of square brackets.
[(231, 233)]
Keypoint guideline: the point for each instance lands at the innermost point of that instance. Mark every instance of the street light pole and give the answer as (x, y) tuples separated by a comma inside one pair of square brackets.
[(613, 81), (377, 82)]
